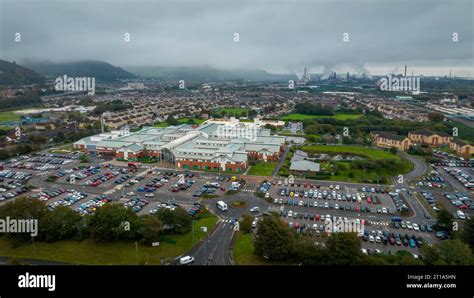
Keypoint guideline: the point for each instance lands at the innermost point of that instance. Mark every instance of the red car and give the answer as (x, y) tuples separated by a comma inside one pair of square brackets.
[(317, 217), (357, 208), (369, 200)]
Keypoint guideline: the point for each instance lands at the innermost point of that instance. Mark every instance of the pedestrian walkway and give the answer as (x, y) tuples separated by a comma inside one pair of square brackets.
[(379, 223)]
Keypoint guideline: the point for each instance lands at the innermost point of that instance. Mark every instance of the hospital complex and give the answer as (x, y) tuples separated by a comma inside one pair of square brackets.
[(215, 145)]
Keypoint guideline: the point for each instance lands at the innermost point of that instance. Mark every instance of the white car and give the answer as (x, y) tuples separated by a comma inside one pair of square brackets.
[(279, 182), (186, 260), (378, 239), (364, 251), (371, 238), (460, 214), (149, 195), (416, 227), (290, 213), (409, 225), (337, 186), (384, 210), (130, 193), (254, 209), (315, 227), (254, 223)]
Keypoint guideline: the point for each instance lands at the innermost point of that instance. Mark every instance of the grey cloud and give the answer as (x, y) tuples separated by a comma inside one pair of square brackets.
[(274, 35)]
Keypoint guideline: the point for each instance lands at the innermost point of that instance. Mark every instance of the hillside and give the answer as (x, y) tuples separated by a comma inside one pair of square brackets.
[(101, 71), (14, 74), (205, 74)]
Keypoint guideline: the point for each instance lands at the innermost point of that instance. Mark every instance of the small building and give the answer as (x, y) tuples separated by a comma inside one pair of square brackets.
[(388, 140), (304, 166), (429, 138), (461, 148)]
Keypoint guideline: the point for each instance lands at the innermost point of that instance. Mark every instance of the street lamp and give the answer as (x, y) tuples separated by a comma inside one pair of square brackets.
[(34, 247), (136, 250)]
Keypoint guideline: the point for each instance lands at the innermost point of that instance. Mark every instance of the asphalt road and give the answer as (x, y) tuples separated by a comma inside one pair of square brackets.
[(215, 248)]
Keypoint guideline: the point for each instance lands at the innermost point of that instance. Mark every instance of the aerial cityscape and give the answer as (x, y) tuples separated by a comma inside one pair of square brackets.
[(236, 133)]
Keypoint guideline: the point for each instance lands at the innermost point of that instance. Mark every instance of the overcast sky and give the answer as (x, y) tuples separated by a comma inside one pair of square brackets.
[(275, 35)]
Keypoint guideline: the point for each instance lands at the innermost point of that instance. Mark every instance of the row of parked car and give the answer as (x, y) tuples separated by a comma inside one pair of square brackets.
[(460, 200), (52, 159), (136, 204), (71, 199), (47, 195), (182, 185), (336, 206), (161, 205), (412, 226), (464, 178), (334, 195), (101, 178), (33, 166), (397, 200), (311, 216), (385, 237), (194, 209), (15, 175), (207, 188), (11, 192), (434, 180), (430, 199), (91, 206)]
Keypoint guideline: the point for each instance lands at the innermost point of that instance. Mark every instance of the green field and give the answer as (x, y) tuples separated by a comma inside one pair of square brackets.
[(300, 117), (356, 150), (243, 251), (89, 252), (465, 132), (344, 171), (180, 121), (262, 169), (233, 111), (9, 116)]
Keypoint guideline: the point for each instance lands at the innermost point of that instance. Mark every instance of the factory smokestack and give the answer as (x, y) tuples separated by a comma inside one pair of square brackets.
[(405, 71)]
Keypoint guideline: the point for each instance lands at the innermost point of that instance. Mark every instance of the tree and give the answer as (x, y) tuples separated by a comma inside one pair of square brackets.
[(448, 252), (151, 228), (307, 253), (59, 224), (246, 223), (171, 121), (113, 222), (344, 248), (444, 221), (393, 150), (467, 234), (23, 208), (435, 117), (274, 240), (177, 220)]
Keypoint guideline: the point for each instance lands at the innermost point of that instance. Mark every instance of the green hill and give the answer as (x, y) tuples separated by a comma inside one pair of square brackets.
[(12, 74)]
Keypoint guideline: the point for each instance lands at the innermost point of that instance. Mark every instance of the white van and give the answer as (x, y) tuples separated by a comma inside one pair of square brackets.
[(221, 205), (186, 260)]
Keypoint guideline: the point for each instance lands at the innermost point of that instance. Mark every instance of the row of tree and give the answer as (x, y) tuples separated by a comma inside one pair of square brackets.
[(276, 241), (111, 222)]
